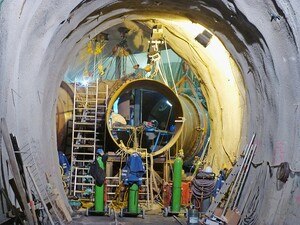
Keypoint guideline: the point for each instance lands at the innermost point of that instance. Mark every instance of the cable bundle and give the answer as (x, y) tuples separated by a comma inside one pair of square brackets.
[(203, 186)]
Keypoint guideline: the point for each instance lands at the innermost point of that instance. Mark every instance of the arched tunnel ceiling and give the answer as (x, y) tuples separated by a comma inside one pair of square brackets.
[(38, 39)]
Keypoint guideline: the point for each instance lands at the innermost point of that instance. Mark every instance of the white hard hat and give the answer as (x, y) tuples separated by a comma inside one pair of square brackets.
[(208, 169)]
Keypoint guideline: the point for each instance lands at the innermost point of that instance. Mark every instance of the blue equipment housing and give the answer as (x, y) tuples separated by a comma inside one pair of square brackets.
[(133, 171)]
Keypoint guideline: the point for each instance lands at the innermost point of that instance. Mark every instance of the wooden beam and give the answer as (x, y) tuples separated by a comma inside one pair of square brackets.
[(40, 195), (15, 170)]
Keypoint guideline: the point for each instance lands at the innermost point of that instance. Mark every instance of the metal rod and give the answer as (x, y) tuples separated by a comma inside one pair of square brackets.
[(242, 170), (237, 178), (40, 195), (175, 217), (31, 202), (244, 178), (235, 181), (151, 181)]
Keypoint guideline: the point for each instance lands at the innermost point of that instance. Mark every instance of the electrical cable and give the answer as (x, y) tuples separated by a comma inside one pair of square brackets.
[(203, 186)]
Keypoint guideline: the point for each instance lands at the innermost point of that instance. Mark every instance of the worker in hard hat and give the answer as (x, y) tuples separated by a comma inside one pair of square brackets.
[(100, 152)]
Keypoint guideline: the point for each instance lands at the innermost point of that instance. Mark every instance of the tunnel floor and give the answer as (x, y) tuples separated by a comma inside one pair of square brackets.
[(105, 220)]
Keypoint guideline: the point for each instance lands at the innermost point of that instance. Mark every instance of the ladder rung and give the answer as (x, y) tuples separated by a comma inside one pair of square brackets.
[(85, 116), (85, 101), (85, 131), (84, 176), (81, 191), (83, 153), (81, 168), (84, 184), (84, 123), (112, 178), (84, 93), (84, 146), (85, 108), (83, 138), (82, 161)]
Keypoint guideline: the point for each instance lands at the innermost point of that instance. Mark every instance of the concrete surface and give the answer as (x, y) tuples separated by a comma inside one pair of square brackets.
[(38, 38), (105, 220)]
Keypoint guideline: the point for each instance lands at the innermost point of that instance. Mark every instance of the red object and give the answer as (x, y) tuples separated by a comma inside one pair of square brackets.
[(186, 194), (167, 194)]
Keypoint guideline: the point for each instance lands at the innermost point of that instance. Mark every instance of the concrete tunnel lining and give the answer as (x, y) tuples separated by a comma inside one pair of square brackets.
[(270, 68)]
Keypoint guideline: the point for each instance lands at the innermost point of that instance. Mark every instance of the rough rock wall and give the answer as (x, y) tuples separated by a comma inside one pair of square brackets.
[(34, 51)]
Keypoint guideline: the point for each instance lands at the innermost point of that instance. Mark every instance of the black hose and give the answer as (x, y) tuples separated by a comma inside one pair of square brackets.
[(203, 188)]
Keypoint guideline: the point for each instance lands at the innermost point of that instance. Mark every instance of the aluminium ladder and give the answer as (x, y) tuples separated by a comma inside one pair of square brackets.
[(101, 112), (84, 138)]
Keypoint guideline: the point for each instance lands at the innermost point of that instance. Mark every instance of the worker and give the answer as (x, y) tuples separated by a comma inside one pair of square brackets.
[(96, 171), (100, 152), (220, 181)]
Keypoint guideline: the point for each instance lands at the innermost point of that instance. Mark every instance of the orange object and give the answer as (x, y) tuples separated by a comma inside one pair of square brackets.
[(186, 194)]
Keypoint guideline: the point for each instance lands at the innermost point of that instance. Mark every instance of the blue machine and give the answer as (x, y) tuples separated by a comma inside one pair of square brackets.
[(64, 163), (133, 171)]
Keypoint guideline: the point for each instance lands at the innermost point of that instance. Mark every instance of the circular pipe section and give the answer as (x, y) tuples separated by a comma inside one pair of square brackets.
[(152, 85), (64, 110), (190, 118), (195, 129)]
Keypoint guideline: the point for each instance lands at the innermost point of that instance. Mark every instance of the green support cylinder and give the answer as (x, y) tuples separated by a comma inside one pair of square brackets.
[(133, 206), (99, 191), (176, 193)]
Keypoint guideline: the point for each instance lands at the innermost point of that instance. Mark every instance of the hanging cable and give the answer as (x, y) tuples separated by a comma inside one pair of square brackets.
[(169, 63)]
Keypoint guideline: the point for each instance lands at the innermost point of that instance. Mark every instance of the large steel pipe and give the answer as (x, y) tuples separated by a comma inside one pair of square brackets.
[(189, 117), (196, 127), (64, 112)]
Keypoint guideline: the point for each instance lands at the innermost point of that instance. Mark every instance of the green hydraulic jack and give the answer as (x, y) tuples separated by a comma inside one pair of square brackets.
[(175, 207)]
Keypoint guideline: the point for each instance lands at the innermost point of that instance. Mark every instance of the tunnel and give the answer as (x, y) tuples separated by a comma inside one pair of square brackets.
[(258, 39)]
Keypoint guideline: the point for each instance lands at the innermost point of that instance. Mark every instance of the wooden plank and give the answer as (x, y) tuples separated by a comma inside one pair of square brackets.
[(40, 195), (15, 169), (24, 177), (2, 180), (13, 185), (61, 205), (12, 208), (233, 217)]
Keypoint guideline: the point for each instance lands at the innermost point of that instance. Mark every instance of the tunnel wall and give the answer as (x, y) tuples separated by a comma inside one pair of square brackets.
[(34, 55)]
